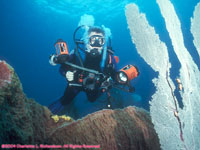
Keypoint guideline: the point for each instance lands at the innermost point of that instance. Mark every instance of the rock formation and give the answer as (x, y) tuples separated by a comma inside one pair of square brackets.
[(23, 121)]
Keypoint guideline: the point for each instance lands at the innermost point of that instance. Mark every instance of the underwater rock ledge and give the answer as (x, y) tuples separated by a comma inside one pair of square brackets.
[(123, 129), (23, 121)]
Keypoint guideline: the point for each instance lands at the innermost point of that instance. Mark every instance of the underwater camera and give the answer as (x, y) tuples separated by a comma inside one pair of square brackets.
[(91, 81), (62, 51), (126, 74)]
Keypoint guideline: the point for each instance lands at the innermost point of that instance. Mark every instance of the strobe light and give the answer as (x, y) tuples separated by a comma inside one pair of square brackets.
[(61, 47), (122, 77), (62, 51), (127, 74)]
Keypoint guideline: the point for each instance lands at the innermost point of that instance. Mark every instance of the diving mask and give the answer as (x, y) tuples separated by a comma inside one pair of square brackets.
[(96, 41)]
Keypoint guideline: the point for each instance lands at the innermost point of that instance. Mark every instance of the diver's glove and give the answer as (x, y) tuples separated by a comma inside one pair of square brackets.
[(70, 75), (52, 60), (60, 59)]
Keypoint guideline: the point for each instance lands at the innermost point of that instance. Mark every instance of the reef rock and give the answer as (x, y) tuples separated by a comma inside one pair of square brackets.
[(23, 121), (130, 128)]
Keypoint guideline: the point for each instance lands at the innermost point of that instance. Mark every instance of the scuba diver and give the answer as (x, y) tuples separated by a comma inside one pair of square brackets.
[(91, 67)]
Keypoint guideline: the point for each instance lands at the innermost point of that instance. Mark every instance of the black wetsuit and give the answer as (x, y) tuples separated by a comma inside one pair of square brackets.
[(90, 63)]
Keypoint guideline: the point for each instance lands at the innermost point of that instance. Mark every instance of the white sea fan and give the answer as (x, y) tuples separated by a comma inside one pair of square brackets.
[(177, 128), (195, 27)]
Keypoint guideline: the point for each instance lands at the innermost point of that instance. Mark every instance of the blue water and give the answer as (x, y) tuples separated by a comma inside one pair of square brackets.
[(29, 29)]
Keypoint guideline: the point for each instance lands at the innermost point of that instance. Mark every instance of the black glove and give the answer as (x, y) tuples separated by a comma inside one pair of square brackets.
[(60, 59)]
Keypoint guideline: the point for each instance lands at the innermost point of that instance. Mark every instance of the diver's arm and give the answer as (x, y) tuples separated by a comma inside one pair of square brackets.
[(65, 68)]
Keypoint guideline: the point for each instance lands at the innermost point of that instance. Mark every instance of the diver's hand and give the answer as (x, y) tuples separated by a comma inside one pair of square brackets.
[(62, 58), (51, 60), (70, 76)]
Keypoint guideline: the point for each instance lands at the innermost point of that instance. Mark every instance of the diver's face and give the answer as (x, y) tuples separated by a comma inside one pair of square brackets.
[(96, 43)]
